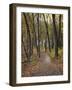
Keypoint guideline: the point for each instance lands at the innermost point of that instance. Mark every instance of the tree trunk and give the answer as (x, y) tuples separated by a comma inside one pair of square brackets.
[(45, 45), (35, 37), (55, 36), (47, 33), (60, 44), (31, 31), (23, 44), (29, 36), (38, 36)]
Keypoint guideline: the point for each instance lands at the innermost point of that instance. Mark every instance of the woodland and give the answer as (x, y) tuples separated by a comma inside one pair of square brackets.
[(41, 44)]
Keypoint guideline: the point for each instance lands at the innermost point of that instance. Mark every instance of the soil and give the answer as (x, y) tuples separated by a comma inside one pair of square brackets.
[(43, 67)]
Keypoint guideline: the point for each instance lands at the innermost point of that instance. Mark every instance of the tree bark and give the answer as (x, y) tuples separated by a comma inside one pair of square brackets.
[(23, 44), (47, 33), (38, 36), (60, 41), (35, 37), (31, 31), (55, 36), (29, 36)]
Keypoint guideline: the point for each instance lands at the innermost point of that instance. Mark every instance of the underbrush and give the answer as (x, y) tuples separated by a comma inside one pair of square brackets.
[(60, 55)]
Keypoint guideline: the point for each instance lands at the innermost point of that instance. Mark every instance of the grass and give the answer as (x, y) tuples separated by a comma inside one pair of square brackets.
[(60, 54)]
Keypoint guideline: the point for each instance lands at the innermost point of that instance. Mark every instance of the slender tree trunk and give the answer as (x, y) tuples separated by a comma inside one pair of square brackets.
[(23, 44), (47, 33), (60, 44), (45, 45), (24, 49), (29, 36), (52, 32), (38, 36), (31, 31), (35, 37), (55, 36)]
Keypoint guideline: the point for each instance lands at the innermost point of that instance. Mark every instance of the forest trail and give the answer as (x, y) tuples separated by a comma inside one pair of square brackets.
[(44, 58), (43, 67)]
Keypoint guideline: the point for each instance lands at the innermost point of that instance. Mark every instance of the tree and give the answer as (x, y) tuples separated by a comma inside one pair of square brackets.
[(60, 33), (47, 33), (55, 36), (38, 35), (28, 37), (34, 33), (24, 47)]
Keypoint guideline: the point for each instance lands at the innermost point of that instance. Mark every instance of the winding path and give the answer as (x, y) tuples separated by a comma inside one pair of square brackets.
[(44, 67)]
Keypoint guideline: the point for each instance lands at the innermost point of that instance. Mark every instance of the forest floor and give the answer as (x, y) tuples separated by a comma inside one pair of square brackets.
[(42, 67)]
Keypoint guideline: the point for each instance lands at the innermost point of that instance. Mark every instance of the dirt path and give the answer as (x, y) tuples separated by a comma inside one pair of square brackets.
[(44, 58), (43, 67)]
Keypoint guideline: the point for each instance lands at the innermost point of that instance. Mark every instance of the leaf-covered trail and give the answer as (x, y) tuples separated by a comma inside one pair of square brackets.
[(43, 67)]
